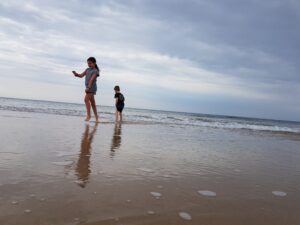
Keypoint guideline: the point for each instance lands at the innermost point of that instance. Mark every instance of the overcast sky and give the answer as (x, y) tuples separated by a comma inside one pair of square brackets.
[(228, 57)]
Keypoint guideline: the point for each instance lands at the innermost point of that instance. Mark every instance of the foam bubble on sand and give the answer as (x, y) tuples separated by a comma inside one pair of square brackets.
[(32, 195), (159, 186), (27, 211), (42, 199), (63, 163), (14, 202), (146, 170), (185, 216), (150, 212), (76, 219), (128, 200), (207, 193), (155, 194), (279, 193)]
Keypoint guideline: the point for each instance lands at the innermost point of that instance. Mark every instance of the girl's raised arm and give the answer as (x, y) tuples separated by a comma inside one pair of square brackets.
[(79, 74)]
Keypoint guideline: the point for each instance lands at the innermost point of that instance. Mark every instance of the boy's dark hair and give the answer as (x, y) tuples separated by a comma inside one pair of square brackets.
[(93, 60), (117, 88)]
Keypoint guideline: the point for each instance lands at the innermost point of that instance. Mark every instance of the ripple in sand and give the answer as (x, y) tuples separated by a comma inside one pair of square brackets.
[(27, 211), (185, 216), (279, 193), (62, 154), (146, 170), (64, 163), (207, 193), (155, 194)]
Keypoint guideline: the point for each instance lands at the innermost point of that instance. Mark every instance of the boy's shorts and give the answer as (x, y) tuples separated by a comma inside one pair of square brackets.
[(120, 107)]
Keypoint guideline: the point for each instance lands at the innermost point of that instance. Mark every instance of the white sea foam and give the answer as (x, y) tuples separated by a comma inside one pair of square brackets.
[(279, 193), (185, 216), (78, 182), (207, 193)]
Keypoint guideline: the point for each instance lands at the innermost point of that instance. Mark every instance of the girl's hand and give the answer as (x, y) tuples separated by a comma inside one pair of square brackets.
[(87, 90), (75, 74)]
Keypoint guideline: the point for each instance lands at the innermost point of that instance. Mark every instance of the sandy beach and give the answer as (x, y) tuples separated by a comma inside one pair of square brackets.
[(57, 169)]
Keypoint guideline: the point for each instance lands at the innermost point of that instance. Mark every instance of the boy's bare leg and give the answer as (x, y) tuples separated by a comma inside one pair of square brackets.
[(88, 107), (121, 117), (94, 107), (117, 117)]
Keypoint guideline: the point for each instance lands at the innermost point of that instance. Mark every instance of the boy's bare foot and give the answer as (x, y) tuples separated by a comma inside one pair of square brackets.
[(97, 119), (87, 118)]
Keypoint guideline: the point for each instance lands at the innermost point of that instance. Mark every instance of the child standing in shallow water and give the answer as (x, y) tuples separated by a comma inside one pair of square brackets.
[(91, 74), (120, 99)]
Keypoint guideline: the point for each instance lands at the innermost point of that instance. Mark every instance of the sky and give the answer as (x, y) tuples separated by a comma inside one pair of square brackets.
[(227, 57)]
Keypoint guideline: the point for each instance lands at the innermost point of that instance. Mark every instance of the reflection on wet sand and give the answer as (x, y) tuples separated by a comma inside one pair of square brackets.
[(116, 139), (83, 164)]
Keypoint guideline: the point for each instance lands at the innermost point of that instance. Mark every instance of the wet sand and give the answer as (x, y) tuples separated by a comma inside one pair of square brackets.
[(61, 170)]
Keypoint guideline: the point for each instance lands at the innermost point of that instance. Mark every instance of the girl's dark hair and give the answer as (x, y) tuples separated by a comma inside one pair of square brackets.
[(93, 60), (117, 88)]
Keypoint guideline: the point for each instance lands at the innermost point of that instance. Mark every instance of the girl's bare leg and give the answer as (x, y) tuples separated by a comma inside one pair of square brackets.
[(94, 107), (88, 107)]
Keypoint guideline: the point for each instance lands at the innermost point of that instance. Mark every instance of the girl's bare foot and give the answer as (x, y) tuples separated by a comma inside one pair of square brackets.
[(87, 118), (97, 119)]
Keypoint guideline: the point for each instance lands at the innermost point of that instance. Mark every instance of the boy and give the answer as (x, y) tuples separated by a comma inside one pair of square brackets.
[(119, 97)]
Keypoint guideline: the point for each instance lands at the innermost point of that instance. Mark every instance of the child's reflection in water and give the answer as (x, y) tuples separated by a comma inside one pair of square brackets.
[(83, 164), (116, 139)]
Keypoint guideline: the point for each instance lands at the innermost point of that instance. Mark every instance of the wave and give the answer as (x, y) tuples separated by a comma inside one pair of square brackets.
[(153, 117), (254, 127)]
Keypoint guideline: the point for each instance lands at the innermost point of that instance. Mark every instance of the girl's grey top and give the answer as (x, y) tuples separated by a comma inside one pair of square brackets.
[(89, 73)]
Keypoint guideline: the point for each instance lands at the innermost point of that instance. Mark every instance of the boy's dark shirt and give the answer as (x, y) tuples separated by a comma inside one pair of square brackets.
[(117, 95)]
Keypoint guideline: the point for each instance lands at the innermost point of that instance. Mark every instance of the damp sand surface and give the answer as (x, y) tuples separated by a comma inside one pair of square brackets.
[(57, 169)]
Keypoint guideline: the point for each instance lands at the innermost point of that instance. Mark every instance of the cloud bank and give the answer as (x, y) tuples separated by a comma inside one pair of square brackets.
[(220, 57)]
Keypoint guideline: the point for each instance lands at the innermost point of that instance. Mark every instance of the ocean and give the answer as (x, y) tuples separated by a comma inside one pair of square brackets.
[(133, 115)]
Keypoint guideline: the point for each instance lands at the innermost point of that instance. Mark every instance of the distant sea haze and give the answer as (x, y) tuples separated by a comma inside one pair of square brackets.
[(141, 116)]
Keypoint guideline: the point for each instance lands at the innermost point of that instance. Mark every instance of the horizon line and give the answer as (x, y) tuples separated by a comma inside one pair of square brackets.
[(162, 110)]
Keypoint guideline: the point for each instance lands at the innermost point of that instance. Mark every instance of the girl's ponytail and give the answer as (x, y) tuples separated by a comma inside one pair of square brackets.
[(97, 67)]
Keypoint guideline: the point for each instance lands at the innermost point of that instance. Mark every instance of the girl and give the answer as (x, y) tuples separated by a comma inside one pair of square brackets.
[(91, 74)]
